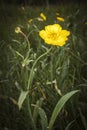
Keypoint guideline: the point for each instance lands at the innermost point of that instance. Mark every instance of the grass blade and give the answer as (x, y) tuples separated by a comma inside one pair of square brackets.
[(84, 122), (22, 98), (35, 112), (70, 125), (44, 120)]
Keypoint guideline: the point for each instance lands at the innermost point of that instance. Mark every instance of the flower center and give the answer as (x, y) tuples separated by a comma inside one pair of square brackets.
[(52, 36)]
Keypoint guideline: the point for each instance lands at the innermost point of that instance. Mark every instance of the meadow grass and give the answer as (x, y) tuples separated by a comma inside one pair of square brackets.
[(54, 75)]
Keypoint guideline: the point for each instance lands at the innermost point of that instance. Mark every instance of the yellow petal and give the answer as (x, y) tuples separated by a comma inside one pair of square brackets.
[(42, 16), (60, 19)]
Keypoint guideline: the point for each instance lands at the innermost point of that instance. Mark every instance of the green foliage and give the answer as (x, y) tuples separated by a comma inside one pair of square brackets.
[(39, 78), (59, 106)]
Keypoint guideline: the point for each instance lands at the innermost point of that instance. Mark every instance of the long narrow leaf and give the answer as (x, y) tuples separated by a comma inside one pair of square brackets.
[(43, 116), (59, 106), (35, 112), (70, 125), (22, 98), (84, 122)]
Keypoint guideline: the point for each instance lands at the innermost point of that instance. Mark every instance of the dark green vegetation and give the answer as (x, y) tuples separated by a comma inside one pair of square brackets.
[(71, 68), (40, 2)]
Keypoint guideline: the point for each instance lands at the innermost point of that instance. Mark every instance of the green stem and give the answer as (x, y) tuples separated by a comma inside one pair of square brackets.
[(28, 87), (51, 69), (51, 65), (26, 39), (30, 114), (28, 44), (31, 73)]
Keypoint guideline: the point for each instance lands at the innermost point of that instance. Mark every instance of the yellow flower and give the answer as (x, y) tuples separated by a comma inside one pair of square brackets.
[(17, 30), (86, 23), (30, 20), (42, 16), (54, 35), (60, 19)]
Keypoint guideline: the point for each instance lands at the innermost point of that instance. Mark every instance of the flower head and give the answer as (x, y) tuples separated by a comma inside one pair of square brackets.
[(17, 30), (54, 35), (42, 16), (60, 19)]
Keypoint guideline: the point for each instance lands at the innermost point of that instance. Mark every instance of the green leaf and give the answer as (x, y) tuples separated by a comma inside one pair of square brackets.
[(35, 113), (70, 125), (59, 106), (43, 116), (22, 97), (19, 54), (84, 122)]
